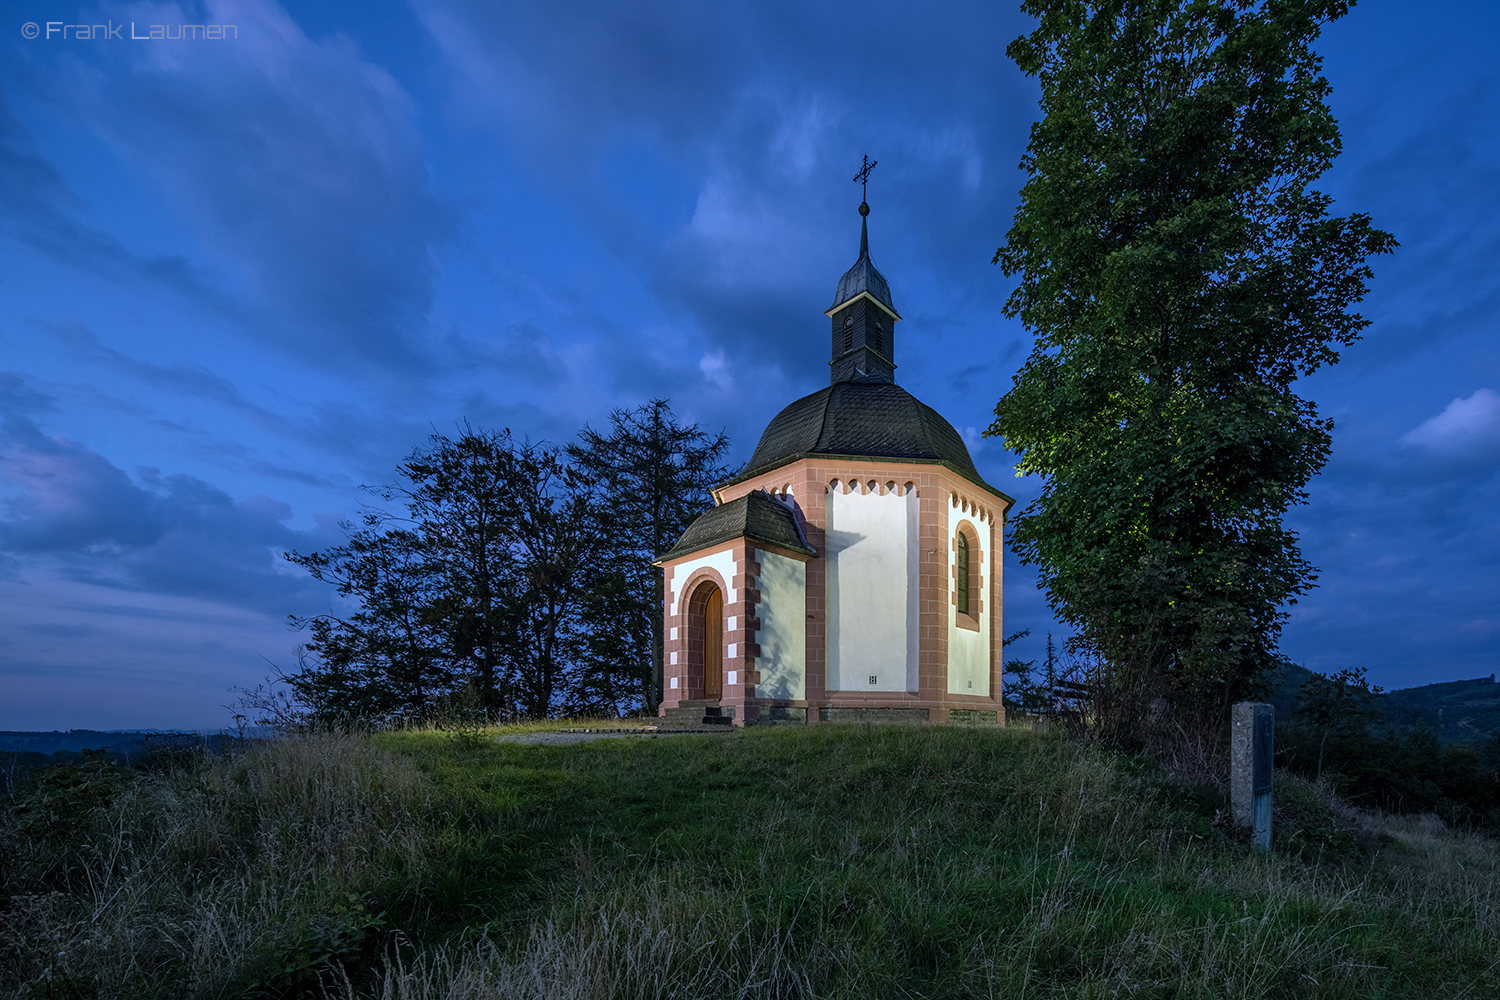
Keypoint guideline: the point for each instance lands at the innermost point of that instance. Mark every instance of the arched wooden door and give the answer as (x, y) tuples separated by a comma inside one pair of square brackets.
[(713, 644)]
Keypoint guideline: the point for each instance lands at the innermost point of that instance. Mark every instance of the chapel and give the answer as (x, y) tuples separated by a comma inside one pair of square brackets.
[(851, 571)]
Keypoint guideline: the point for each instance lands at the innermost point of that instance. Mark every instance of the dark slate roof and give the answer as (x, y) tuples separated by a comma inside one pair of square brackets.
[(755, 516), (862, 419), (863, 277)]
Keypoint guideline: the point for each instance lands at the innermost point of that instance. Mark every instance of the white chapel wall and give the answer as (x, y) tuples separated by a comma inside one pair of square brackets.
[(723, 562), (783, 627), (872, 588), (969, 651)]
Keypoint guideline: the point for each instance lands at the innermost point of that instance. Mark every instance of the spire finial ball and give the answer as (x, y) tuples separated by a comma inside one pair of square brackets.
[(864, 208)]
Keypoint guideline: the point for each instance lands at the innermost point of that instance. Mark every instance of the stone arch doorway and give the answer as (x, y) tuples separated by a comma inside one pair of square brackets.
[(706, 641)]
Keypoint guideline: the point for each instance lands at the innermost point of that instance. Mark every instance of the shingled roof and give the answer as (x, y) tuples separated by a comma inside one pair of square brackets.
[(864, 277), (861, 419), (755, 516)]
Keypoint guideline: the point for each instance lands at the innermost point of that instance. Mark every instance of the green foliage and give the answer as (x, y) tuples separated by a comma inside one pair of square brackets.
[(65, 793), (652, 478), (518, 571), (431, 586), (1467, 710), (1341, 705), (1179, 274), (1400, 769), (61, 802), (1023, 692), (1339, 731), (477, 583), (1303, 825), (301, 960), (249, 874)]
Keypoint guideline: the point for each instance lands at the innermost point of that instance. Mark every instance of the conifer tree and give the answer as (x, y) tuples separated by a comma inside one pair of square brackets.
[(652, 476)]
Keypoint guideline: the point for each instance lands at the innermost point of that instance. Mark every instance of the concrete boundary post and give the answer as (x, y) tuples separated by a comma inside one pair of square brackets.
[(1252, 754)]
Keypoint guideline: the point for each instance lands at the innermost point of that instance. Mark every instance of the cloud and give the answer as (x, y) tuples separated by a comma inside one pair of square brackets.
[(1466, 426), (38, 209), (16, 396), (72, 499), (523, 351), (1423, 160), (570, 86), (180, 379), (69, 507), (1406, 547), (765, 109), (298, 162)]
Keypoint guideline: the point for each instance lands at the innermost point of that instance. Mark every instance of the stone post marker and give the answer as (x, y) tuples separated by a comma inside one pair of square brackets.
[(1252, 746)]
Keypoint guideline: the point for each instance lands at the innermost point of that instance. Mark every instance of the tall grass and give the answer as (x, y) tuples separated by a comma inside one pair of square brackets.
[(827, 862), (216, 878)]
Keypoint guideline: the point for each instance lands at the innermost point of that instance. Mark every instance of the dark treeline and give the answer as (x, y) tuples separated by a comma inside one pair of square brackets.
[(1343, 729), (1377, 750), (506, 578)]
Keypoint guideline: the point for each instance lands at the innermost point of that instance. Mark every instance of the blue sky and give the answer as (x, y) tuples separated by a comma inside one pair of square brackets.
[(240, 278)]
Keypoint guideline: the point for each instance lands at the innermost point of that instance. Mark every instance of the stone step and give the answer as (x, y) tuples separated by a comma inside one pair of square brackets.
[(699, 712)]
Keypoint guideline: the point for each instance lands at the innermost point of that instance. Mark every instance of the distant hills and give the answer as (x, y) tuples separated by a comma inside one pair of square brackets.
[(76, 740), (1460, 711)]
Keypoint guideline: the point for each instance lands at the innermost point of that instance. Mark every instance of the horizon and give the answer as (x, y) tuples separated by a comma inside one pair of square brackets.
[(260, 730), (244, 276)]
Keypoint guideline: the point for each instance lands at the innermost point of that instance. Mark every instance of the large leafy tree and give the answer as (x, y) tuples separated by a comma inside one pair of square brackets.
[(389, 658), (519, 572), (560, 545), (652, 477), (1180, 274), (474, 583), (459, 496)]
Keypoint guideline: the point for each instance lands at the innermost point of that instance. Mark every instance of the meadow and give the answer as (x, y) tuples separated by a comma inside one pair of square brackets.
[(828, 861)]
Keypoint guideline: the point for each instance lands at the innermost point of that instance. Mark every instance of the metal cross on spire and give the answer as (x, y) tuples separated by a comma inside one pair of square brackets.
[(863, 179)]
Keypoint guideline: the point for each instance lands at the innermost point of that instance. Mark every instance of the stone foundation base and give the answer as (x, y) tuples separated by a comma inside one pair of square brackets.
[(1026, 720), (972, 717), (876, 716)]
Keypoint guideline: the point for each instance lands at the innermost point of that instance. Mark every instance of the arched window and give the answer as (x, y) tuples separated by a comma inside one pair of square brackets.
[(961, 573), (848, 333), (877, 338)]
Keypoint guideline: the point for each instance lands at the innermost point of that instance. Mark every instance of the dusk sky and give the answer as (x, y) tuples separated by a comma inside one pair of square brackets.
[(241, 277)]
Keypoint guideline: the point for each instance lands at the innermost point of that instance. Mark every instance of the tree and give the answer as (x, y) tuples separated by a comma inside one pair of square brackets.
[(1341, 705), (1179, 275), (461, 505), (559, 543), (474, 585), (652, 477), (1021, 692), (388, 659)]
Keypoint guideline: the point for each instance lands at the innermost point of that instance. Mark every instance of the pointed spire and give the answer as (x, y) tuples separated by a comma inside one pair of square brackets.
[(863, 316), (863, 276)]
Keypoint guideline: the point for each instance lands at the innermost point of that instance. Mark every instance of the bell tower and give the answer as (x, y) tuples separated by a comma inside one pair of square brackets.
[(864, 319)]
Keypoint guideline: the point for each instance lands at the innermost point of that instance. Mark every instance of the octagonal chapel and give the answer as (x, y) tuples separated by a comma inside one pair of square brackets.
[(851, 571)]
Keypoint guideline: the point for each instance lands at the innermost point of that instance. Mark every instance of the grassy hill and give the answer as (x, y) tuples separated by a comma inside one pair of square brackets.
[(823, 862)]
